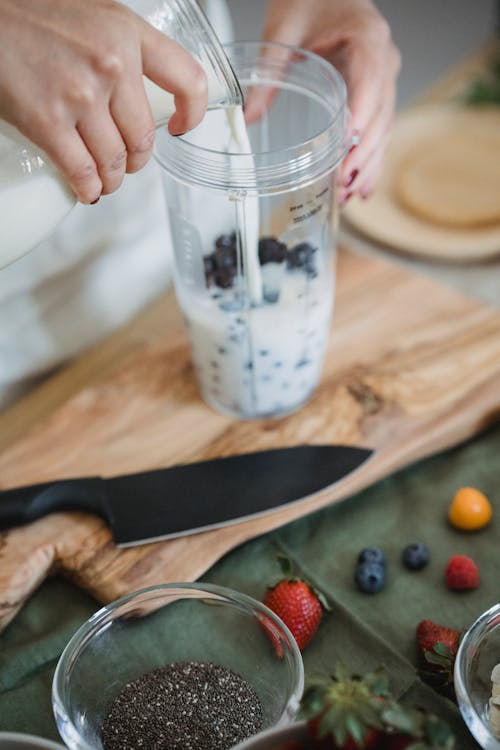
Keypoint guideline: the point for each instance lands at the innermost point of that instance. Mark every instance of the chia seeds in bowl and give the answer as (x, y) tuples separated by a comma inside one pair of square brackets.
[(130, 652), (183, 706)]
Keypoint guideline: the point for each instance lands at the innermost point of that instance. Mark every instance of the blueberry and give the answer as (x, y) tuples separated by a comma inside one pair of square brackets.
[(209, 264), (225, 258), (271, 250), (226, 241), (302, 363), (370, 577), (300, 256), (271, 295), (209, 268), (415, 556), (225, 277), (232, 305), (310, 270), (371, 555)]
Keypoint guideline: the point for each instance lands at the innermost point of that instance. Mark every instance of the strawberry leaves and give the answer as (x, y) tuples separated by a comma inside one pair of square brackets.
[(346, 712), (346, 708)]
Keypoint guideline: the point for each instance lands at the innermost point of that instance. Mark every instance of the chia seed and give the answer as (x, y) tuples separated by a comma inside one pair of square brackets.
[(183, 706)]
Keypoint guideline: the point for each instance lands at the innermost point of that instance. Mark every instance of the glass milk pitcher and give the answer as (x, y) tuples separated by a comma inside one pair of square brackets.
[(253, 215), (34, 197)]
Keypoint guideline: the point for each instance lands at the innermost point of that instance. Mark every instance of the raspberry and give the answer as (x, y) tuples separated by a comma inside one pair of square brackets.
[(461, 573)]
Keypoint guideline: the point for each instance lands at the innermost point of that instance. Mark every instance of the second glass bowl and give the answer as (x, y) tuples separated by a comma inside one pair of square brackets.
[(478, 653)]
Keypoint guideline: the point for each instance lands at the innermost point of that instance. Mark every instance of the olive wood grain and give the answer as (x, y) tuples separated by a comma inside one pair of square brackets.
[(412, 368)]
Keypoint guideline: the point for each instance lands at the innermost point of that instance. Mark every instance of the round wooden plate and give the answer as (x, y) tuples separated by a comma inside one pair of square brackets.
[(384, 219)]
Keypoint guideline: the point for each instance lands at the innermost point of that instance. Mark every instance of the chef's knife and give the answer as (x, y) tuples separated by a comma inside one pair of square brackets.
[(189, 498)]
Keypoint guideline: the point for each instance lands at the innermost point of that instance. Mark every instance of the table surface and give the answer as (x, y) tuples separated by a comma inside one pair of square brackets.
[(385, 514)]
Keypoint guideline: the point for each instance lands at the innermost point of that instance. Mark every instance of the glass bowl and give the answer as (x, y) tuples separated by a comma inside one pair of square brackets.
[(17, 741), (293, 737), (161, 625), (478, 653)]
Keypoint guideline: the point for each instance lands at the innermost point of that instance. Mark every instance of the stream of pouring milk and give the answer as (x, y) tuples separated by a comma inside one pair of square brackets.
[(248, 207)]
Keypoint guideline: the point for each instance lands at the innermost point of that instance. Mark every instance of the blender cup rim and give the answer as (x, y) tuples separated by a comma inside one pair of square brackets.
[(327, 67), (303, 53), (316, 155)]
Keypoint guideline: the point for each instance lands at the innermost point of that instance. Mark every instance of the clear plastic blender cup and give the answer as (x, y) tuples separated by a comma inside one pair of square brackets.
[(254, 231)]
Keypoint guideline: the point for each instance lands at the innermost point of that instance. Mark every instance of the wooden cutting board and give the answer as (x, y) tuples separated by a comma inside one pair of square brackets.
[(412, 368)]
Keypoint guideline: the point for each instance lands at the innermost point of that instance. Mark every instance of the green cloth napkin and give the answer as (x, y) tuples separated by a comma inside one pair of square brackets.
[(363, 631)]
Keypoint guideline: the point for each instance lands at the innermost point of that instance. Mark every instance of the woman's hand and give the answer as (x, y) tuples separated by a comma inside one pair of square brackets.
[(356, 39), (71, 80)]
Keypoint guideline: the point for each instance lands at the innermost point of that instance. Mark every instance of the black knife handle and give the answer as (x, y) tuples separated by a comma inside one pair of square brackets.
[(22, 505)]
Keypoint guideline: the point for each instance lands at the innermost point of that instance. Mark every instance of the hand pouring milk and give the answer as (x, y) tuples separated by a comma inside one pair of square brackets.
[(34, 196)]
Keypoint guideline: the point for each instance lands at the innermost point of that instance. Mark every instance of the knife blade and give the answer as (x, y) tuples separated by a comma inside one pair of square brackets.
[(188, 498)]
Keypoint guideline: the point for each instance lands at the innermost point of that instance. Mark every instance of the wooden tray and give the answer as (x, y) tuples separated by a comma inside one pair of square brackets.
[(383, 219), (412, 368)]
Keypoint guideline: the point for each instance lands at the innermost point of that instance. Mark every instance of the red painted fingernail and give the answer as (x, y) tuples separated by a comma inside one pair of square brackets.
[(344, 198), (356, 137), (351, 178)]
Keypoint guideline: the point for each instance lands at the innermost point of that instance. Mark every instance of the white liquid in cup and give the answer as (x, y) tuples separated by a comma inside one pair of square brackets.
[(266, 360)]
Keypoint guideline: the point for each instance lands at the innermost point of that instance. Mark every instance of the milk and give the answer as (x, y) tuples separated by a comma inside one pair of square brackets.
[(267, 360), (247, 207), (33, 197)]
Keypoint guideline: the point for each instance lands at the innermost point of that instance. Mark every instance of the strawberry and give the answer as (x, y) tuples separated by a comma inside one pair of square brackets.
[(427, 732), (299, 608), (398, 741), (430, 633), (437, 647), (461, 573), (343, 711), (298, 604)]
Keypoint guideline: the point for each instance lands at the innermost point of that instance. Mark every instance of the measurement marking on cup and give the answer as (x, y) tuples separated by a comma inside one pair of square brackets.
[(303, 217), (189, 254)]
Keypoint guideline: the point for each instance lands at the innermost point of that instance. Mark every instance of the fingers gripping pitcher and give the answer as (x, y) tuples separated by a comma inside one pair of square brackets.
[(253, 216), (34, 196)]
